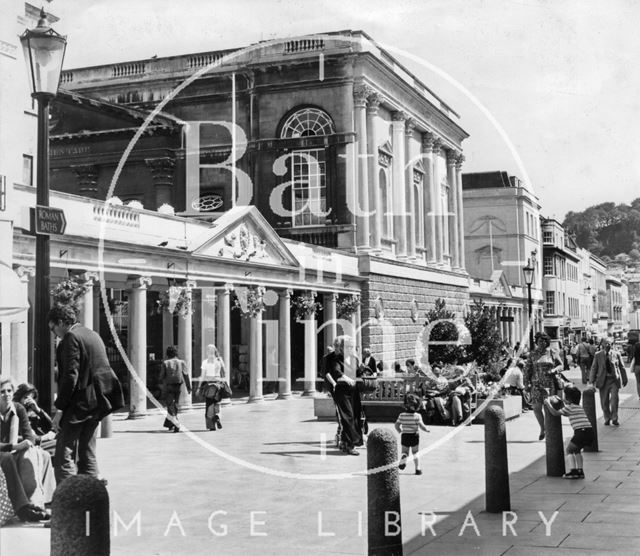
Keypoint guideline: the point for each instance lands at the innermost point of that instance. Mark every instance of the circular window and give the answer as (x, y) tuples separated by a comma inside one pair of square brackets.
[(207, 203)]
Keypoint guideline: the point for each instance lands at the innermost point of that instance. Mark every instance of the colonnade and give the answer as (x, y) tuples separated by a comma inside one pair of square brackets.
[(512, 323), (427, 211)]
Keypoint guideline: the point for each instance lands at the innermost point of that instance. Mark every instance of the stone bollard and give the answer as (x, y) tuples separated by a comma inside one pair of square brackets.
[(497, 493), (106, 430), (383, 495), (554, 446), (589, 405), (80, 518)]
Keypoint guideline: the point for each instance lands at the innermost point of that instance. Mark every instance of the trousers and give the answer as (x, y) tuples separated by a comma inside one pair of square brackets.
[(76, 450)]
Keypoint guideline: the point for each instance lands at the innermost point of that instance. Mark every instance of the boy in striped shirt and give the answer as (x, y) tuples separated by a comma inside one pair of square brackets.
[(582, 431), (408, 424)]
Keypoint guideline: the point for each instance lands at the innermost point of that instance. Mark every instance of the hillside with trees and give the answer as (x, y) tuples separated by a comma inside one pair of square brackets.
[(610, 231)]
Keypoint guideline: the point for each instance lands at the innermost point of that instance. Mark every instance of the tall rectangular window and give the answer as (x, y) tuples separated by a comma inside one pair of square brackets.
[(27, 169), (548, 266), (547, 236), (550, 306), (309, 187)]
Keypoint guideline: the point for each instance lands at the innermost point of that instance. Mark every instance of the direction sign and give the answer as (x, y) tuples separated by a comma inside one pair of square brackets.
[(50, 220)]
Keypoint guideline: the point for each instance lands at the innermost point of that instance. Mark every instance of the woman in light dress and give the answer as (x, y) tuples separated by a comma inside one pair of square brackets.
[(212, 386)]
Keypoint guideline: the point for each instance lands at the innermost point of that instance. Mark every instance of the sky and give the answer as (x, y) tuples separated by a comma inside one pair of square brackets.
[(547, 90)]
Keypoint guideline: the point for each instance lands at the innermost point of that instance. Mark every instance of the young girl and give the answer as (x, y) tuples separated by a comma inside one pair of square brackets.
[(408, 424), (582, 431)]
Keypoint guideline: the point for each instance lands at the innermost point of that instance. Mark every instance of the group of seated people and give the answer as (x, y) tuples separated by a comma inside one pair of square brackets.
[(27, 444)]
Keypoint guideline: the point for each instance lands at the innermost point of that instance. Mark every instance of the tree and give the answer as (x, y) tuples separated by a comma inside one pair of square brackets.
[(445, 330), (486, 344)]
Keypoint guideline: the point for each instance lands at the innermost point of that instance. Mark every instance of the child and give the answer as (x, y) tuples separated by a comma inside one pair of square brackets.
[(408, 423), (582, 431)]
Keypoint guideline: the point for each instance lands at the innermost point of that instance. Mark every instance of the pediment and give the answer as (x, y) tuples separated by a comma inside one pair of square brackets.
[(242, 234), (499, 284)]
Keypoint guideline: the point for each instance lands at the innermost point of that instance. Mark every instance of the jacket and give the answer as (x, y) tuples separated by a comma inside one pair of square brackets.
[(87, 386), (599, 369)]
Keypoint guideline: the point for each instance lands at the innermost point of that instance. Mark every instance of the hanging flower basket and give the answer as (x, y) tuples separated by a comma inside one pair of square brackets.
[(347, 306), (249, 301), (305, 306), (68, 292), (176, 301)]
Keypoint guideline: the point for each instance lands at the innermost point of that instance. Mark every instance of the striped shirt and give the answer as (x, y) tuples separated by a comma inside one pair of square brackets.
[(409, 422), (577, 416)]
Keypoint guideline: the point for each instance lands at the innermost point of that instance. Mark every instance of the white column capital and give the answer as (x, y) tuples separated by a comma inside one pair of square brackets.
[(399, 116), (459, 161), (373, 103), (228, 288), (139, 282), (286, 293), (452, 157), (190, 284), (437, 145), (360, 94), (25, 272), (89, 278)]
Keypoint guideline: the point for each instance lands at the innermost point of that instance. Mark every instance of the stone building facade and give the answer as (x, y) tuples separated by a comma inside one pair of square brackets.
[(332, 139)]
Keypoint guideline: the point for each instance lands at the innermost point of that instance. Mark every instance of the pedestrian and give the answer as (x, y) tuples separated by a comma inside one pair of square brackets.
[(173, 374), (608, 375), (41, 424), (584, 359), (88, 391), (213, 387), (35, 471), (513, 382), (582, 431), (369, 360), (539, 371), (635, 364), (342, 389), (408, 424)]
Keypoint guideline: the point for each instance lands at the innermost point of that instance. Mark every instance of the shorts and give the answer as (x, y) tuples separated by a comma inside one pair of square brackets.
[(409, 439), (582, 437)]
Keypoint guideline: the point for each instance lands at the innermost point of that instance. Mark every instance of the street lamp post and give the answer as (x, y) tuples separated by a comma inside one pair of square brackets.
[(44, 52), (528, 278)]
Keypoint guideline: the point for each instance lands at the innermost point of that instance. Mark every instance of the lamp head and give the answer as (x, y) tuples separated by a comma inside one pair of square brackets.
[(44, 51)]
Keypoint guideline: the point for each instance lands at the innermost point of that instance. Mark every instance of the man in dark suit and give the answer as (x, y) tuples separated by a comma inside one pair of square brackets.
[(609, 375), (88, 390)]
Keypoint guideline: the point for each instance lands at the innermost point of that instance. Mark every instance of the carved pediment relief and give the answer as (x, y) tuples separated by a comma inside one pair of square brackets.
[(242, 234)]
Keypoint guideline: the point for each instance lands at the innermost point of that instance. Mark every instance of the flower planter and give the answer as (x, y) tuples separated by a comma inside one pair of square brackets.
[(324, 408), (511, 405)]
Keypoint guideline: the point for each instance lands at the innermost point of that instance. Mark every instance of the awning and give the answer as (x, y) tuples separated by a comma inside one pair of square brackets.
[(13, 297)]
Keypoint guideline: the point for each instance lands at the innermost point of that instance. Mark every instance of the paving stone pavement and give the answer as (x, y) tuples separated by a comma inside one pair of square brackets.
[(270, 482)]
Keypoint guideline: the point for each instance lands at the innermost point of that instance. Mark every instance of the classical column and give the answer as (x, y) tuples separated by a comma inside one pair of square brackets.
[(356, 321), (168, 338), (410, 190), (255, 354), (360, 94), (86, 311), (399, 188), (310, 353), (185, 343), (511, 325), (224, 325), (138, 346), (208, 320), (331, 317), (452, 217), (284, 344), (429, 195), (87, 178), (375, 202), (162, 170), (19, 354), (499, 321), (437, 202), (460, 215)]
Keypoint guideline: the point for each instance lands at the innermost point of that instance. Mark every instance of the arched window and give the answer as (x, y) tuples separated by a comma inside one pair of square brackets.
[(307, 166), (307, 122)]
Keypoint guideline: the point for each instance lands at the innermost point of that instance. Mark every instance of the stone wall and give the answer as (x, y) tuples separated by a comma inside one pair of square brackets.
[(397, 295)]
